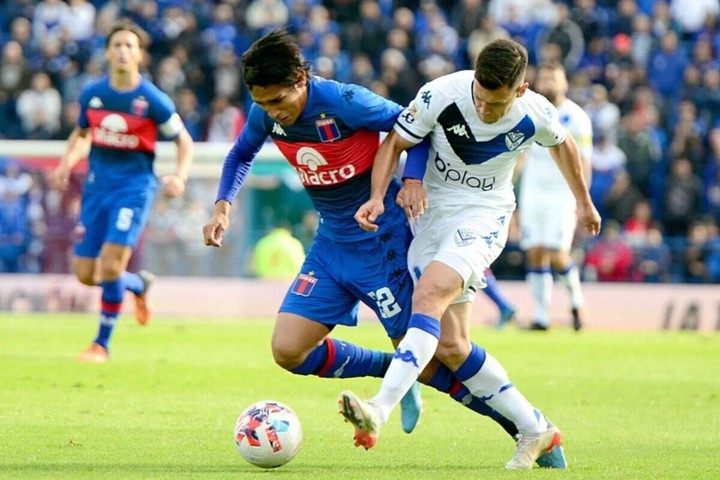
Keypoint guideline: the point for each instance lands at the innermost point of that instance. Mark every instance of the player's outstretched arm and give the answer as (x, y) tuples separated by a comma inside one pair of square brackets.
[(174, 185), (78, 147), (384, 166), (217, 225), (568, 159)]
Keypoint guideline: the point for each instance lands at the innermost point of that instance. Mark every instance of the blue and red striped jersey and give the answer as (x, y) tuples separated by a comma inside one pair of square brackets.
[(331, 146), (124, 126)]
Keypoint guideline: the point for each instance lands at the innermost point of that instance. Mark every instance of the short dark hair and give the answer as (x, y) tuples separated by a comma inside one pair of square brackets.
[(502, 63), (125, 25), (275, 59)]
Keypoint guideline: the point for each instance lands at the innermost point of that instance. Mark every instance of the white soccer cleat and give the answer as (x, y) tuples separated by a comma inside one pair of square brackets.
[(365, 417), (533, 445)]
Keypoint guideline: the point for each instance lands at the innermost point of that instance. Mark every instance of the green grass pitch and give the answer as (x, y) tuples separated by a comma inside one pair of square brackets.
[(631, 406)]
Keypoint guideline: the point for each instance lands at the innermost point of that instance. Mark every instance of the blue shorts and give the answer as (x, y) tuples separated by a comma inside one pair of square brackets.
[(113, 215), (337, 276)]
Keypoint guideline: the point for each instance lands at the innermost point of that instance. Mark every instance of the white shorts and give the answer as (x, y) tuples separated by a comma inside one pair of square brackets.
[(548, 221), (467, 244)]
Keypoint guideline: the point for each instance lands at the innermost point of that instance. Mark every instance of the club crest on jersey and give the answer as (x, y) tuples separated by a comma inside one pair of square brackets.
[(139, 106), (514, 139), (303, 285), (327, 129), (95, 102), (464, 237)]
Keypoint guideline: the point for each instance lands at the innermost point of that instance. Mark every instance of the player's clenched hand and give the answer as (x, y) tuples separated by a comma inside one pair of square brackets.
[(413, 198), (368, 213), (589, 217), (213, 230), (59, 178), (172, 186)]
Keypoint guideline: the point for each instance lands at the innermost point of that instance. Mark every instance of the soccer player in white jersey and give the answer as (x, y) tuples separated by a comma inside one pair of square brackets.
[(547, 206), (478, 123)]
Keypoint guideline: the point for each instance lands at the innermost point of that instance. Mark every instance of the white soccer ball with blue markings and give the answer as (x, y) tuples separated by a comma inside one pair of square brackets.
[(268, 434)]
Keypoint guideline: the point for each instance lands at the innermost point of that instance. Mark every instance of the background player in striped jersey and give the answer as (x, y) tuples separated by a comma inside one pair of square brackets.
[(547, 206), (120, 118), (329, 132), (478, 123)]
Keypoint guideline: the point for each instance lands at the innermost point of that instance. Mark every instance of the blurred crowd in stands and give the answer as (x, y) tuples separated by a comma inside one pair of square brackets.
[(646, 71)]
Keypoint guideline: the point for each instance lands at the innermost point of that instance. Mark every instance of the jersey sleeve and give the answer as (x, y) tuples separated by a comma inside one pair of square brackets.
[(367, 110), (550, 131), (416, 161), (241, 157), (418, 119), (82, 121)]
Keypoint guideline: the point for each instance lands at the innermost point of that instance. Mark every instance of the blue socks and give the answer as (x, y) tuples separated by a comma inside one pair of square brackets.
[(492, 290), (111, 302), (337, 359), (113, 292)]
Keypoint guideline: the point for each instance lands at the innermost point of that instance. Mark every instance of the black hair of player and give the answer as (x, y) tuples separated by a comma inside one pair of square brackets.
[(274, 59)]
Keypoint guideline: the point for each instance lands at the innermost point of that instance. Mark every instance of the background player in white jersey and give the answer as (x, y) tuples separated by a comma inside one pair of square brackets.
[(120, 118), (478, 123), (547, 206)]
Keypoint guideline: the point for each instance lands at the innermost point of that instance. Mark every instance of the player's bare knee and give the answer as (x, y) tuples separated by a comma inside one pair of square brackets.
[(86, 279), (287, 356), (452, 351)]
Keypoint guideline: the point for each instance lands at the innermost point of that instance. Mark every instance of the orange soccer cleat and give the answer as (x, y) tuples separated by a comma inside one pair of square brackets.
[(95, 353), (143, 308)]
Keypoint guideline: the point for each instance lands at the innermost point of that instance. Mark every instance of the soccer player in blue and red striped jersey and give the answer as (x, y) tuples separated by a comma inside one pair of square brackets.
[(329, 132), (121, 117)]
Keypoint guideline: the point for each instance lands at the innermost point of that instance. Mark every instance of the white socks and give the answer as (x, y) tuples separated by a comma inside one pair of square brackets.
[(541, 286), (491, 383), (571, 280), (412, 355)]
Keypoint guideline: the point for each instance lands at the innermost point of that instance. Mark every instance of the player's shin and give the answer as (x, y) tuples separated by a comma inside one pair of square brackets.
[(444, 381), (412, 355), (339, 359), (488, 380), (111, 303)]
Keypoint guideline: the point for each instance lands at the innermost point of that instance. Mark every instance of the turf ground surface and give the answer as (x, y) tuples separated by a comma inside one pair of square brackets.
[(631, 405)]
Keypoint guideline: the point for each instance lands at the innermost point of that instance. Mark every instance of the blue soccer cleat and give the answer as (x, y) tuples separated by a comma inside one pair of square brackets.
[(411, 408), (553, 459), (506, 316)]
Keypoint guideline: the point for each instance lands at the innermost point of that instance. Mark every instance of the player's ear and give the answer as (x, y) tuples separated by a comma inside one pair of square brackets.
[(302, 78), (522, 89)]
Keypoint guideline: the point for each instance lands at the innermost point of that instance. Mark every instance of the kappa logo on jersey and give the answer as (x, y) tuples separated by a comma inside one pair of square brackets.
[(426, 97), (459, 130), (514, 139), (491, 238), (303, 285), (139, 106), (327, 129), (95, 102), (112, 133), (314, 174), (278, 130), (464, 237)]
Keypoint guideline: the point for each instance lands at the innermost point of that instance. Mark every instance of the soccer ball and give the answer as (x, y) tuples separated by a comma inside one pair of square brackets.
[(268, 434)]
